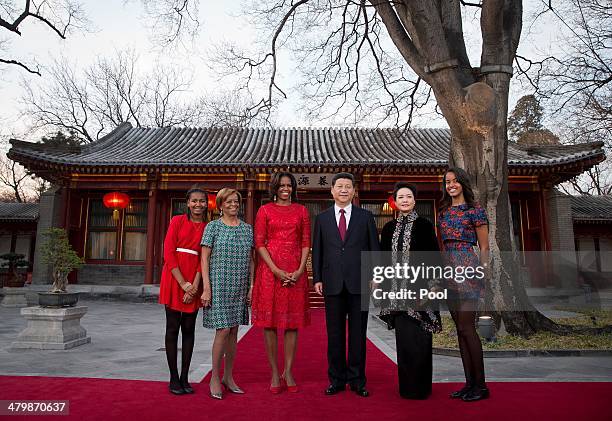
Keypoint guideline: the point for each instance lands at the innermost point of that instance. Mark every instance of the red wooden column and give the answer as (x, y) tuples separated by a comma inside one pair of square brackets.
[(160, 232), (65, 221), (151, 218), (250, 207), (544, 229)]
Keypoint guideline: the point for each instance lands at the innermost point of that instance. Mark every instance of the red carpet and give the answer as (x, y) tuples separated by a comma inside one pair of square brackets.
[(98, 399)]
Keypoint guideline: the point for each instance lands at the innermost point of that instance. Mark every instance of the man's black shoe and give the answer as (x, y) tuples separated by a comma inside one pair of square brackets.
[(361, 391), (332, 390)]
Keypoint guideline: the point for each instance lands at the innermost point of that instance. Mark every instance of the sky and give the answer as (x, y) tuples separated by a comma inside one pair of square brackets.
[(121, 24)]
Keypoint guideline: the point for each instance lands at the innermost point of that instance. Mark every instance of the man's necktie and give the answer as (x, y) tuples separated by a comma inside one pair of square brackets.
[(342, 224)]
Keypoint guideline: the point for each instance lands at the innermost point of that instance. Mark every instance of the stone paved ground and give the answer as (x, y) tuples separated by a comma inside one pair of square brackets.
[(127, 341)]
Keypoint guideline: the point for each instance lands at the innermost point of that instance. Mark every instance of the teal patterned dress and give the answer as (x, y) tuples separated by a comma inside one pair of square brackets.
[(229, 273)]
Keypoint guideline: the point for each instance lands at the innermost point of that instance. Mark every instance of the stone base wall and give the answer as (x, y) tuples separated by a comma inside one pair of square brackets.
[(111, 275)]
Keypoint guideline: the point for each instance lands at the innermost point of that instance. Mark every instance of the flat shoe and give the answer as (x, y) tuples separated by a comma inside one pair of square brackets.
[(458, 394), (176, 389), (187, 387), (476, 394)]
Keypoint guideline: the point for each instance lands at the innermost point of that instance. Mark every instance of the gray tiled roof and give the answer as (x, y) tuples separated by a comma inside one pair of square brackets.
[(256, 147), (18, 211), (592, 208)]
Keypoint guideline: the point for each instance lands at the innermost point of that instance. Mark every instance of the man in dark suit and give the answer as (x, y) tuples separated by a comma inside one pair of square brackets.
[(341, 233)]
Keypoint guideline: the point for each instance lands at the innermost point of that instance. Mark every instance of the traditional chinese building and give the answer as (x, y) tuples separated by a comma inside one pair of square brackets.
[(592, 222), (155, 167), (17, 233)]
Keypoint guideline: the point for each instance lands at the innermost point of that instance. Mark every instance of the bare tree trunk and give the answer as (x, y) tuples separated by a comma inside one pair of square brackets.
[(479, 145)]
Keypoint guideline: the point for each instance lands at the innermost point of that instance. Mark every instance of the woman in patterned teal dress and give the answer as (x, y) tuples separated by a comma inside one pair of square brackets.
[(227, 274)]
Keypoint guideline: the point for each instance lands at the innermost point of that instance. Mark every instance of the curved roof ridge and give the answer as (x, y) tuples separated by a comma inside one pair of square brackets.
[(311, 146)]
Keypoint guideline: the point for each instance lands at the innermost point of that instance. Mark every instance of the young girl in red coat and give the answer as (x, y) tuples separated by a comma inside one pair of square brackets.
[(181, 285)]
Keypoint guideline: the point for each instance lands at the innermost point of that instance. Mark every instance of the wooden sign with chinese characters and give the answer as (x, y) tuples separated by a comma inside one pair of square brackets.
[(314, 181)]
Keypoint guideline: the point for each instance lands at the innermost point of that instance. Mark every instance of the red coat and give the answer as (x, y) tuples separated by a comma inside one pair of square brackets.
[(186, 234)]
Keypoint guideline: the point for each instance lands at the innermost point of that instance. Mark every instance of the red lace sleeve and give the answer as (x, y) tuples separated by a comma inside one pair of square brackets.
[(305, 228), (170, 243), (261, 228)]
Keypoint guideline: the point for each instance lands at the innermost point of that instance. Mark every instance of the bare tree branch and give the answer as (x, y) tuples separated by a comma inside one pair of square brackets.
[(17, 183), (171, 21), (113, 90), (20, 64), (60, 16), (576, 84)]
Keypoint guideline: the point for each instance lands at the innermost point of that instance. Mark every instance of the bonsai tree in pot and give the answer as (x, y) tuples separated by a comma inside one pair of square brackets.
[(13, 262), (59, 254)]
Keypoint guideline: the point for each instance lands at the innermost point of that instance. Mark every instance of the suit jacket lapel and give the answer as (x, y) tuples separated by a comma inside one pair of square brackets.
[(355, 214), (333, 226)]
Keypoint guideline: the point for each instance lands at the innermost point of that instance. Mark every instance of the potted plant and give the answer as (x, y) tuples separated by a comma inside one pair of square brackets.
[(13, 262), (57, 252)]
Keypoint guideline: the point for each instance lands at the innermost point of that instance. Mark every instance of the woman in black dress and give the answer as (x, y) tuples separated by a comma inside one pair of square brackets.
[(411, 239)]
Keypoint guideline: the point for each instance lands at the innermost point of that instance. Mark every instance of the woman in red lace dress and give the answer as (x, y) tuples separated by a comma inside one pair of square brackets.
[(280, 294), (181, 285)]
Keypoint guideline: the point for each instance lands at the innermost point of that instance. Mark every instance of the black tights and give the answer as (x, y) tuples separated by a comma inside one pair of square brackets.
[(185, 322), (464, 315)]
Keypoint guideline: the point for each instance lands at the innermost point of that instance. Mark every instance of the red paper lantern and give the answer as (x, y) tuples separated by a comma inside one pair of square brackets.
[(115, 201), (212, 201), (392, 203)]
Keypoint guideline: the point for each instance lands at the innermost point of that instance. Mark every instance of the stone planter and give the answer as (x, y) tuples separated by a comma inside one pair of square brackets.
[(52, 328), (58, 299)]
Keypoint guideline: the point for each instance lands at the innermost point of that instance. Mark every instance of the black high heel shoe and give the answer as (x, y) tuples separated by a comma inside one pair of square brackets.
[(458, 394), (476, 394)]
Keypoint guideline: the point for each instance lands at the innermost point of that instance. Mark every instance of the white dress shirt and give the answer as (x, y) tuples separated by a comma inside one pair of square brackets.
[(347, 214)]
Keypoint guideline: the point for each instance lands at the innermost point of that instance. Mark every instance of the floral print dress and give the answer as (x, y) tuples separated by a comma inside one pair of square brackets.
[(457, 227)]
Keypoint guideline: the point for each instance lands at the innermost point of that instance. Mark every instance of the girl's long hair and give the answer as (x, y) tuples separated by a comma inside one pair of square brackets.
[(466, 186)]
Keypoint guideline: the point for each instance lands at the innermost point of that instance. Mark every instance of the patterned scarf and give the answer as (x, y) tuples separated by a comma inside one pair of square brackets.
[(400, 242), (400, 253)]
